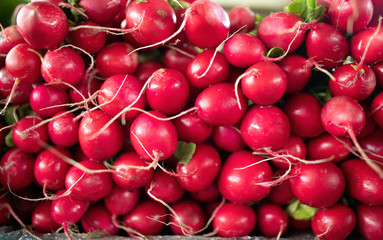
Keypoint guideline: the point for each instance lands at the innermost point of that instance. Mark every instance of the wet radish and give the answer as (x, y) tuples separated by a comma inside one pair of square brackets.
[(47, 100)]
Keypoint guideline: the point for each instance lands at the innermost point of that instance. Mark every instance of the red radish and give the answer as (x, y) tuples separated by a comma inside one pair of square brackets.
[(217, 105), (241, 17), (208, 194), (370, 222), (88, 39), (228, 138), (363, 183), (378, 70), (126, 174), (327, 180), (234, 220), (116, 58), (62, 65), (152, 20), (77, 181), (152, 145), (363, 39), (16, 169), (326, 146), (87, 87), (377, 109), (63, 129), (99, 145), (120, 201), (207, 68), (265, 127), (241, 174), (50, 167), (188, 218), (47, 100), (299, 225), (298, 72), (304, 113), (264, 83), (336, 222), (207, 24), (281, 194), (167, 91), (146, 69), (191, 128), (352, 80), (23, 207), (119, 91), (282, 29), (9, 37), (272, 220), (42, 220), (29, 138), (350, 16), (42, 24), (99, 11), (98, 218), (22, 91), (179, 58), (369, 125), (325, 36), (147, 218), (165, 187), (201, 170), (294, 150), (243, 50), (373, 145)]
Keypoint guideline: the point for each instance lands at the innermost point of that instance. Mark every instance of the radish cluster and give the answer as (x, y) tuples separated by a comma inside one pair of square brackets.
[(154, 117)]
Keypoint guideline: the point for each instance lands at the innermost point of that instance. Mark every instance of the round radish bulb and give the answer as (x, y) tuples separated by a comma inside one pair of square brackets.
[(120, 91), (88, 39), (62, 65), (16, 169), (146, 69), (42, 220), (98, 218), (208, 194), (22, 91), (369, 221), (352, 81), (9, 37), (304, 113), (78, 181), (335, 222), (234, 220), (217, 105), (272, 220), (242, 18), (120, 201), (238, 184), (191, 128), (127, 176), (87, 87), (28, 140), (207, 24), (281, 194), (326, 45), (228, 138), (167, 91), (174, 59), (363, 183), (327, 180), (148, 218), (63, 129), (326, 146), (265, 127), (359, 42), (378, 70), (295, 147), (152, 21), (281, 29), (189, 218), (42, 24), (373, 143), (377, 109), (50, 167), (101, 11), (201, 170), (264, 83), (47, 100), (350, 16), (99, 145)]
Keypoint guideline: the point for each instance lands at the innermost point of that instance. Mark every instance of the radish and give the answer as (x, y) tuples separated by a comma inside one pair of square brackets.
[(6, 210), (350, 16), (265, 127), (85, 89), (179, 58), (9, 37), (42, 220), (120, 201), (294, 150), (327, 180), (360, 45), (241, 17), (29, 136), (378, 70), (370, 222), (369, 125), (241, 175), (188, 218), (377, 109), (47, 100), (234, 220), (42, 24), (100, 11), (77, 181), (227, 138), (16, 169), (272, 220), (22, 91), (208, 194), (336, 222), (326, 146), (98, 219), (63, 129), (373, 145), (62, 65), (363, 183), (99, 145), (200, 170), (281, 194), (146, 69)]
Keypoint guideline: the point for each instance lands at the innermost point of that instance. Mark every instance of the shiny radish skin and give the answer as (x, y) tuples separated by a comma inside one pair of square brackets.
[(191, 128), (9, 37), (377, 109), (101, 11), (370, 223), (359, 42), (190, 215), (46, 100), (120, 201), (22, 91), (295, 147), (327, 146), (241, 17), (63, 129), (42, 220), (373, 144), (98, 218), (272, 219), (227, 138)]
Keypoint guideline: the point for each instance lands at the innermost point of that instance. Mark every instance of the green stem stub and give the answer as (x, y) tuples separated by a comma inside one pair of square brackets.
[(300, 211), (184, 152)]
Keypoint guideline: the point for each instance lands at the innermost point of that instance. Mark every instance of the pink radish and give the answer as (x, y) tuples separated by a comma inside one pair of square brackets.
[(9, 37), (100, 11), (63, 129), (367, 45), (372, 143), (377, 109), (47, 100), (98, 218), (179, 58), (241, 17), (272, 220), (22, 91), (120, 201), (188, 218)]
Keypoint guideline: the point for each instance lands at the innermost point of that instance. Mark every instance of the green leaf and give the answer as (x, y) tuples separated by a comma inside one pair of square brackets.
[(140, 1), (9, 140), (308, 10), (300, 211), (275, 52), (184, 152), (177, 4)]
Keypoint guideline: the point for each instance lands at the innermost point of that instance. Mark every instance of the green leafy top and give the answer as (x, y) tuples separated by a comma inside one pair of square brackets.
[(184, 152), (306, 9), (300, 211)]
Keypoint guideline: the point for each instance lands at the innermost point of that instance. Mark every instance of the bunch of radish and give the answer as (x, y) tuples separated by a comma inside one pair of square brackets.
[(154, 117)]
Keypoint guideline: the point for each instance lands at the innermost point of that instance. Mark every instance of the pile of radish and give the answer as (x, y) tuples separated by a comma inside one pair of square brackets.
[(152, 117)]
